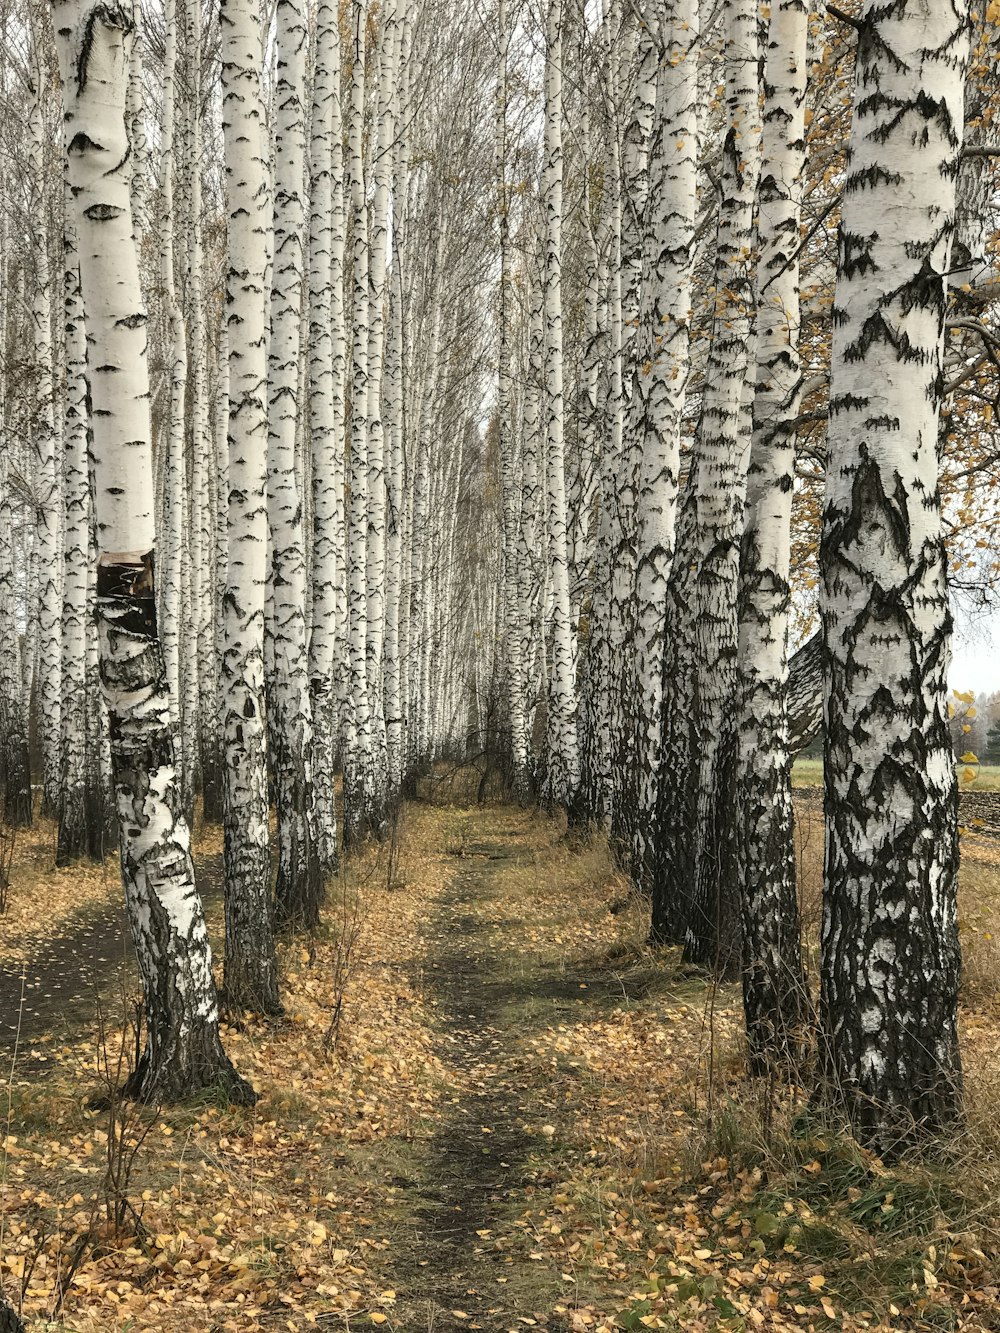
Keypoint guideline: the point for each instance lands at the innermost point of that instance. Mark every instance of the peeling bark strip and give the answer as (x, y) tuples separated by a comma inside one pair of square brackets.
[(183, 1051), (890, 955)]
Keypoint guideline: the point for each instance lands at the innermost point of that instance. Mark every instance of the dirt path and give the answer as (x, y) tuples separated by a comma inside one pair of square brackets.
[(56, 990), (455, 1269)]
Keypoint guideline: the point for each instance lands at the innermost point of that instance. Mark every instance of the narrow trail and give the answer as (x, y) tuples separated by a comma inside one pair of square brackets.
[(56, 989), (455, 1269)]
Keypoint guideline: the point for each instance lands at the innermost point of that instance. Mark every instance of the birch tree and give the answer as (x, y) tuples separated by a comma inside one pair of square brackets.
[(46, 474), (662, 358), (695, 889), (890, 956), (251, 980), (183, 1048), (565, 779), (359, 777), (298, 890), (327, 371), (774, 988), (80, 823)]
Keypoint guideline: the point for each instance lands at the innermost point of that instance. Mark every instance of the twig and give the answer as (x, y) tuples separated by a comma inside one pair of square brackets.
[(836, 12)]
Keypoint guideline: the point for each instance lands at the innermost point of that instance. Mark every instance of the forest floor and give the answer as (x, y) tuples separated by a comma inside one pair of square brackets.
[(522, 1118)]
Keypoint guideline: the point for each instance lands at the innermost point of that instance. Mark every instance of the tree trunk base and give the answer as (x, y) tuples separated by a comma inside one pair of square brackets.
[(10, 1321), (210, 1076)]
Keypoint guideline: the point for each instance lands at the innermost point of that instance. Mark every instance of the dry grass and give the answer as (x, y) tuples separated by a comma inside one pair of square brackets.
[(45, 899), (285, 1210), (663, 1189)]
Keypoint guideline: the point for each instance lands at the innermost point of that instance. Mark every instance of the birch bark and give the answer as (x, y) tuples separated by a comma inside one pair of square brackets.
[(662, 364), (299, 887), (889, 946), (327, 368), (251, 975), (183, 1051), (775, 996), (565, 777)]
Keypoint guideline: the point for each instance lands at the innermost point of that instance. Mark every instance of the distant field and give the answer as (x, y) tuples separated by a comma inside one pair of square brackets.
[(809, 773)]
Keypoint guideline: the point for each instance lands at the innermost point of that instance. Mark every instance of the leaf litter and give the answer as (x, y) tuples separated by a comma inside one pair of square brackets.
[(529, 1121)]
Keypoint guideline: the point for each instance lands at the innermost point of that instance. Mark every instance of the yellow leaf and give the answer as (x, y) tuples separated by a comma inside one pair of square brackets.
[(377, 1317), (968, 758), (828, 1309), (817, 1281), (969, 775)]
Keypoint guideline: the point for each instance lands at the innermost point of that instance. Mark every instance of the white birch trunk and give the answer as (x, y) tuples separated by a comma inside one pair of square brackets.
[(395, 393), (251, 980), (80, 824), (662, 357), (378, 242), (183, 1051), (695, 885), (360, 812), (774, 989), (299, 887), (565, 780), (48, 549), (889, 944), (327, 370)]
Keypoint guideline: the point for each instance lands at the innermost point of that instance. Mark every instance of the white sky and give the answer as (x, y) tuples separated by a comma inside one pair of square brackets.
[(975, 661)]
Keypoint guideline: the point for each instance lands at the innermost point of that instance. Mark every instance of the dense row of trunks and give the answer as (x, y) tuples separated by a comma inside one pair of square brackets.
[(466, 419)]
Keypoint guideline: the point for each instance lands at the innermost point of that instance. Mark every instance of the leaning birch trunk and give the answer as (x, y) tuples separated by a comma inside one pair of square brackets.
[(183, 1050), (251, 974), (565, 780), (775, 998), (662, 356), (327, 368), (889, 944), (299, 889)]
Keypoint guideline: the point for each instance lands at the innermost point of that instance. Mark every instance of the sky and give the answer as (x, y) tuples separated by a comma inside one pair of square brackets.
[(975, 662)]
